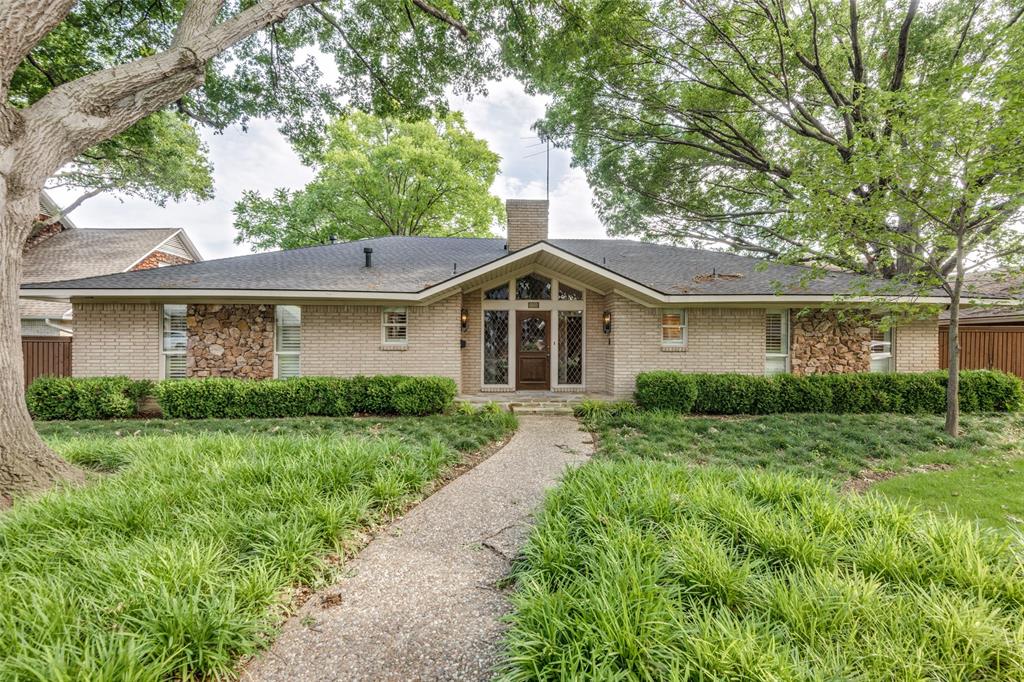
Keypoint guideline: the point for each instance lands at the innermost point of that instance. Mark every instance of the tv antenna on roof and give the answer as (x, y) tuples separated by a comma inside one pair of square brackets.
[(547, 161)]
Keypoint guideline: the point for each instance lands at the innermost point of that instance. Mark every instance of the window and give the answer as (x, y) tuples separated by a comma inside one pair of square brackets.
[(570, 347), (498, 293), (174, 333), (496, 347), (533, 288), (776, 341), (881, 350), (673, 328), (568, 293), (396, 326), (287, 340)]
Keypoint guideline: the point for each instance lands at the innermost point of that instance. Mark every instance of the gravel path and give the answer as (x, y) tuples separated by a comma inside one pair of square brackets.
[(421, 601)]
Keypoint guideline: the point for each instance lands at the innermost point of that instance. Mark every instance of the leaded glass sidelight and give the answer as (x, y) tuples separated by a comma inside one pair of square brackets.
[(496, 347), (570, 347), (533, 288)]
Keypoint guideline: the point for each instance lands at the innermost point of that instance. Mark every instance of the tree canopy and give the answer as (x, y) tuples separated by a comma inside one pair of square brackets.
[(382, 176), (860, 134)]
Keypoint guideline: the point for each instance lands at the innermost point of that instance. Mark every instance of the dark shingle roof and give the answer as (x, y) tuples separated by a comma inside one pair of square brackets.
[(411, 264)]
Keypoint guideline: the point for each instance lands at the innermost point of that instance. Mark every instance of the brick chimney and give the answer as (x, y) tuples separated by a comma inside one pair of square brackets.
[(527, 222)]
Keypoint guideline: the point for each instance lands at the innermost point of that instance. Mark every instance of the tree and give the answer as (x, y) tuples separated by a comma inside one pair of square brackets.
[(382, 176), (874, 136), (216, 62)]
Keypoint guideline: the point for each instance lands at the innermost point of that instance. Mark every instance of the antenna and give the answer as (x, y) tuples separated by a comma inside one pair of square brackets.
[(547, 161)]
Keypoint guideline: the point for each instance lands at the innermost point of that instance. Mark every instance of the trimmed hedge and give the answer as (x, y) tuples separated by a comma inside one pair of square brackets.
[(980, 391), (92, 398), (117, 397)]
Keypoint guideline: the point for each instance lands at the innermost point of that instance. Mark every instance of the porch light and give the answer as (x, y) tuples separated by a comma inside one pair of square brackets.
[(606, 319), (464, 318)]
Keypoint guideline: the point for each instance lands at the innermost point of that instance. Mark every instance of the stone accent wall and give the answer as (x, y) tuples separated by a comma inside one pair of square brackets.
[(345, 340), (230, 341), (821, 343), (719, 340), (42, 234), (116, 339), (916, 346), (527, 222), (154, 260)]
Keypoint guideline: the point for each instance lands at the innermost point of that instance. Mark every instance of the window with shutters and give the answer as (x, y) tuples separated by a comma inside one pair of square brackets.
[(673, 328), (174, 341), (287, 340), (776, 341), (395, 326), (881, 350)]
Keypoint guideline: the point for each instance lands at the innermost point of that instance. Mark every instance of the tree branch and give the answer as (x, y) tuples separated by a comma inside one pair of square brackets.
[(900, 66), (427, 8)]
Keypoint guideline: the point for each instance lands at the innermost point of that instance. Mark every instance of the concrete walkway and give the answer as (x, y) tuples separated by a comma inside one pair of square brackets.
[(421, 601)]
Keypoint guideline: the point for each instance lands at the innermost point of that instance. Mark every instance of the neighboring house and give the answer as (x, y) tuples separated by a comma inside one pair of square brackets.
[(991, 337), (64, 251), (529, 313)]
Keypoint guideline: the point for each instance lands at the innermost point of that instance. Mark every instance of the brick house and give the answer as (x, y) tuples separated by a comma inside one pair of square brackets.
[(63, 251), (524, 314)]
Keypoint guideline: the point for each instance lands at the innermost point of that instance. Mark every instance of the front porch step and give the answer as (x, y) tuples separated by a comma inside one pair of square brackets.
[(549, 408)]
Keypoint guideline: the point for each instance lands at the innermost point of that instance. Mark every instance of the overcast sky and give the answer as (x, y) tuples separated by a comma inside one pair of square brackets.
[(262, 159)]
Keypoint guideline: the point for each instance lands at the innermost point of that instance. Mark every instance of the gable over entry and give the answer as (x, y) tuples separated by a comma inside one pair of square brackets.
[(532, 330)]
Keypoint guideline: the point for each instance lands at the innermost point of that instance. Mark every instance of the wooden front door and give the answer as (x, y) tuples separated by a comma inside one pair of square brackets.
[(533, 350)]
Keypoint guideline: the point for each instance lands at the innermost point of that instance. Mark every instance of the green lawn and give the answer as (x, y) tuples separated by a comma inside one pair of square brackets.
[(991, 492), (651, 570), (182, 560)]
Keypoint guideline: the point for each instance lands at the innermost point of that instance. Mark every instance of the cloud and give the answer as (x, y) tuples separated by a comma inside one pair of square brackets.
[(261, 159)]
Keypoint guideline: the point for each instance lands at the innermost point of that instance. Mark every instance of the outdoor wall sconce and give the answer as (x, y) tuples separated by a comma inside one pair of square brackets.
[(606, 319), (464, 318)]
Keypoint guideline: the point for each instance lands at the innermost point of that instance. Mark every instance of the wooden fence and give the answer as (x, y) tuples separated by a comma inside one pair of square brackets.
[(46, 355), (987, 347)]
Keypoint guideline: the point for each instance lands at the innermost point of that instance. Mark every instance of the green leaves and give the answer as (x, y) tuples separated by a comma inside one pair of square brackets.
[(382, 176)]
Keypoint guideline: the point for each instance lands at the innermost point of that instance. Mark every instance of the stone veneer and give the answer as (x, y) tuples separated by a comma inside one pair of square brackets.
[(822, 343), (230, 341), (155, 259)]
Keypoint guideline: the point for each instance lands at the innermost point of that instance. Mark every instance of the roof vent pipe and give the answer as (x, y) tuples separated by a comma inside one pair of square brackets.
[(369, 256)]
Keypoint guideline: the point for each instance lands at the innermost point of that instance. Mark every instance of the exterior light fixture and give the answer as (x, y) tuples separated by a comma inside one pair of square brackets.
[(464, 318), (606, 319)]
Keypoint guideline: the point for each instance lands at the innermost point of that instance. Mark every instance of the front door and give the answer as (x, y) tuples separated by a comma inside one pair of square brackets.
[(533, 350)]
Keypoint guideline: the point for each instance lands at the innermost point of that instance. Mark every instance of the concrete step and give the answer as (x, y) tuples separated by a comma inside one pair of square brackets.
[(541, 408)]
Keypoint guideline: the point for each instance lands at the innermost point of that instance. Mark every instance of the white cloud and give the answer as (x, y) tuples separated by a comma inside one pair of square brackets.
[(261, 159)]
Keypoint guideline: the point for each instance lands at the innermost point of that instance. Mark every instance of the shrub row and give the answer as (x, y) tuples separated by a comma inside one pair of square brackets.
[(980, 391), (118, 397), (94, 398)]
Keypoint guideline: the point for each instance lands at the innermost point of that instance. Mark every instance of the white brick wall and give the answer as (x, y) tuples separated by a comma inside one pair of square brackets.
[(917, 346), (344, 340), (116, 339)]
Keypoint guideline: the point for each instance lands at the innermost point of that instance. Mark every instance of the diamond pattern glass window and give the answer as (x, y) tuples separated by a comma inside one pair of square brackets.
[(532, 333), (570, 347), (776, 341), (673, 328), (498, 293), (287, 329), (175, 340), (533, 288), (496, 347), (881, 350), (396, 325), (568, 293)]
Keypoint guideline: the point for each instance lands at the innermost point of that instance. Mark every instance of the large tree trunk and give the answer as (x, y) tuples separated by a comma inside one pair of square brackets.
[(26, 463)]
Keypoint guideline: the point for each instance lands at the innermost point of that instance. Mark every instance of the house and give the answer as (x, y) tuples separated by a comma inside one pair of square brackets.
[(62, 251), (991, 337), (524, 314)]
